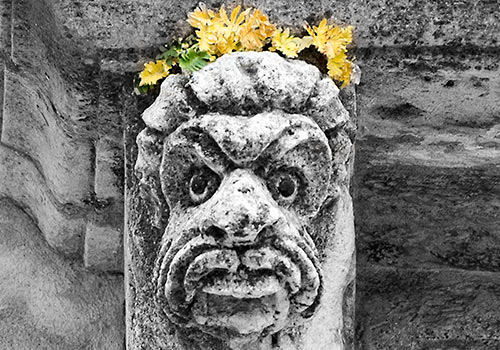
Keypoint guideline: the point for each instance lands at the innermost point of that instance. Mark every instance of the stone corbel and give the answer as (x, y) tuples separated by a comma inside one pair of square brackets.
[(240, 224)]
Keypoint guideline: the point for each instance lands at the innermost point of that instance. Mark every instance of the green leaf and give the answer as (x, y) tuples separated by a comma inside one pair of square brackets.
[(193, 59), (172, 51)]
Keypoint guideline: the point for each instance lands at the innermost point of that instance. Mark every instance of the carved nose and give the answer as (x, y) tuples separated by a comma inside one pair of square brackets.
[(243, 209), (239, 231), (215, 232)]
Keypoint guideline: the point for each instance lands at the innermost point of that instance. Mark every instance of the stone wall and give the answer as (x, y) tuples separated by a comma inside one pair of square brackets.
[(426, 183), (61, 202)]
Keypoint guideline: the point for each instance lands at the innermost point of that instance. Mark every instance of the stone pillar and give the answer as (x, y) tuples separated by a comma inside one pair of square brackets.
[(240, 228)]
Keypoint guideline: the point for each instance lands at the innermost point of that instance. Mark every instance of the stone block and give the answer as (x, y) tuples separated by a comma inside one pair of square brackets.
[(128, 24), (103, 248), (255, 245), (402, 23)]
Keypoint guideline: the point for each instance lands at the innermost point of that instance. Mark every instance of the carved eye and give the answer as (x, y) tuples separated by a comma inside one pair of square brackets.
[(287, 186), (284, 185), (203, 184)]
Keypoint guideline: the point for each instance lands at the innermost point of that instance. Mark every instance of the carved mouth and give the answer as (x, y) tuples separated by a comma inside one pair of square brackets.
[(242, 294), (238, 291), (255, 273)]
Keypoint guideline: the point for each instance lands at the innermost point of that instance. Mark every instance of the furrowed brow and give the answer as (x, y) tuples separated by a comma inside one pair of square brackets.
[(292, 137), (197, 141)]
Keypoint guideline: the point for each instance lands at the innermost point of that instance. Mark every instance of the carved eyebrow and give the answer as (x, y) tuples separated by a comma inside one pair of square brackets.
[(292, 137), (203, 146), (226, 150)]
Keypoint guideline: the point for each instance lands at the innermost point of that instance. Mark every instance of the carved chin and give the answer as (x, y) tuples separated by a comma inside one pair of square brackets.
[(239, 294)]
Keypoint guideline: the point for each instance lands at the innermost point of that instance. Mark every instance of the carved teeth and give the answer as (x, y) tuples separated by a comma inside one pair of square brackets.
[(240, 287)]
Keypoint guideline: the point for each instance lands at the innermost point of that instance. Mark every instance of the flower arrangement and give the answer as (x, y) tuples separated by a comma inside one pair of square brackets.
[(217, 34)]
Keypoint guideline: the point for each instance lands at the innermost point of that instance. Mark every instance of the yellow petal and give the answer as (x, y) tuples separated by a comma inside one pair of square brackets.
[(303, 43), (340, 69), (154, 71), (283, 42), (200, 17)]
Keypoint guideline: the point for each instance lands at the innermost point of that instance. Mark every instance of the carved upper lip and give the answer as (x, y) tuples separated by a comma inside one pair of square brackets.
[(291, 261), (253, 266)]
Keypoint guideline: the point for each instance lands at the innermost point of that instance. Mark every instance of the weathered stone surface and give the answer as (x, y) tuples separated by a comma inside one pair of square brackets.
[(62, 227), (249, 272), (130, 23), (48, 302), (429, 309), (51, 118), (377, 22), (428, 108), (387, 22), (427, 182), (430, 215), (54, 166)]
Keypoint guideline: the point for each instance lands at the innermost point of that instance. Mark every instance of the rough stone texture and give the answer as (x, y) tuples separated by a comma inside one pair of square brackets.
[(61, 202), (427, 209), (49, 302), (428, 109), (390, 22), (240, 227), (50, 124)]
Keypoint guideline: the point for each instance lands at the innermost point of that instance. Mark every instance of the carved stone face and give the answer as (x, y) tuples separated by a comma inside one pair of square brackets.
[(250, 159), (240, 262)]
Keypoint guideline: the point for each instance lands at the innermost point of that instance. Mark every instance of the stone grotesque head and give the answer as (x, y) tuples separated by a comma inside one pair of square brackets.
[(248, 162)]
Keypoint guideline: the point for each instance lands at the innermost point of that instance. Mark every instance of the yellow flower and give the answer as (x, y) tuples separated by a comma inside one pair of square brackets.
[(217, 33), (201, 17), (154, 71), (285, 43), (303, 43), (231, 26), (319, 34), (225, 45), (340, 68), (255, 30), (338, 40), (329, 39), (207, 38)]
